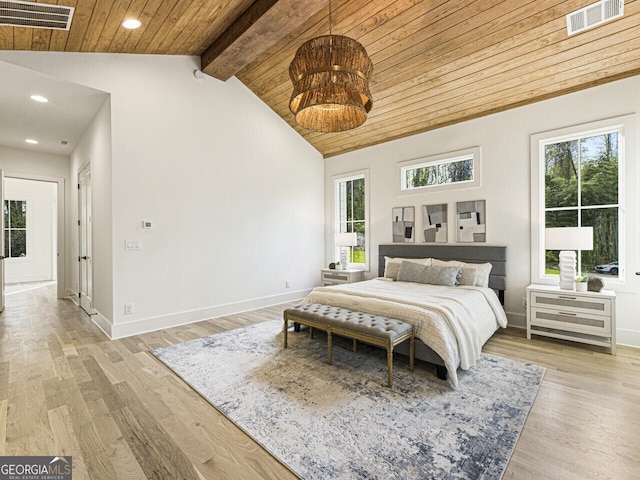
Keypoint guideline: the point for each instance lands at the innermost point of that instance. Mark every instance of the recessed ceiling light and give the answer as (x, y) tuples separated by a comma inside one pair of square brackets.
[(131, 23), (39, 98), (31, 141)]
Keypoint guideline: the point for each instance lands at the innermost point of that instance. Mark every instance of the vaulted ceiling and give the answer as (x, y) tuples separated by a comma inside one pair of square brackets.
[(436, 62)]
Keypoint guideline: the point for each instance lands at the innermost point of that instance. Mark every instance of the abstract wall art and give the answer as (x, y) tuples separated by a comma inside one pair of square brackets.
[(403, 223), (435, 222), (471, 221)]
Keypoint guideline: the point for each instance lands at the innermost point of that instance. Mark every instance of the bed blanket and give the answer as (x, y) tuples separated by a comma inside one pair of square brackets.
[(454, 321)]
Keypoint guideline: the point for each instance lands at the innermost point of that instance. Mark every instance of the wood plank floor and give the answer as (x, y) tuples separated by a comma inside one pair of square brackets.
[(66, 390)]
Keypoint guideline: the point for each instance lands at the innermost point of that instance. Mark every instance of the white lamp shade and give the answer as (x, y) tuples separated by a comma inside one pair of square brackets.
[(346, 239), (569, 238)]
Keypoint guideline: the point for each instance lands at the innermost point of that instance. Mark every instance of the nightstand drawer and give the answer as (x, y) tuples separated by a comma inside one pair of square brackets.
[(564, 319), (336, 277), (571, 302), (339, 277)]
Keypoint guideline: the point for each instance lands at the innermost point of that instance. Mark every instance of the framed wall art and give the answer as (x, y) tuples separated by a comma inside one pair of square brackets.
[(403, 224), (435, 223), (471, 221)]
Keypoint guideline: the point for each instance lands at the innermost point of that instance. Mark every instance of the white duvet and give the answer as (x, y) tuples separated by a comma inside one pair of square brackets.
[(454, 321)]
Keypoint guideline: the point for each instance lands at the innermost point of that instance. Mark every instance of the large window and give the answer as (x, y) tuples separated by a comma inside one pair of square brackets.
[(581, 190), (577, 180), (351, 206), (15, 228)]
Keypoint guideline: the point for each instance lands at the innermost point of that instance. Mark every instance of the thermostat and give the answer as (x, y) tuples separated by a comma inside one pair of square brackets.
[(147, 224)]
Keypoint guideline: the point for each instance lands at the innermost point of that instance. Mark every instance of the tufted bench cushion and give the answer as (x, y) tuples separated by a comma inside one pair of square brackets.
[(367, 327), (375, 325)]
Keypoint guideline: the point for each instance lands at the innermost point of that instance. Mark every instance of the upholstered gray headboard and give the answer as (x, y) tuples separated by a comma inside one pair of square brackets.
[(496, 255)]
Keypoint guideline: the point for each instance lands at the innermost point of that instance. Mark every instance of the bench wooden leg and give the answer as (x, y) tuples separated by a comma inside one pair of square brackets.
[(355, 345), (329, 347), (389, 366), (286, 327), (412, 349)]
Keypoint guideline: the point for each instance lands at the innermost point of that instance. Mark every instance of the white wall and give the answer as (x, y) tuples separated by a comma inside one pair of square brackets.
[(505, 142), (94, 148), (39, 263), (235, 195)]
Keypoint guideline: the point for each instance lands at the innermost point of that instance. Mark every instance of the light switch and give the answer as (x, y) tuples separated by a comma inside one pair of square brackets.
[(133, 245)]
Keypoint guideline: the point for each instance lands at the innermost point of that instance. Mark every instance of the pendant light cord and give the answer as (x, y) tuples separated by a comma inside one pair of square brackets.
[(329, 17)]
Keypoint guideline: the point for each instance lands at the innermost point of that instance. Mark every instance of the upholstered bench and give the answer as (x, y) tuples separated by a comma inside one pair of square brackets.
[(372, 329)]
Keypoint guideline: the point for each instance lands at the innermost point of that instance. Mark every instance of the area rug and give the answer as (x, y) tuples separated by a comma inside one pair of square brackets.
[(340, 421)]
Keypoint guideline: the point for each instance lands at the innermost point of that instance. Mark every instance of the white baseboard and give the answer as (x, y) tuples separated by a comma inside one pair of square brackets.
[(517, 319), (145, 325), (103, 323), (628, 338)]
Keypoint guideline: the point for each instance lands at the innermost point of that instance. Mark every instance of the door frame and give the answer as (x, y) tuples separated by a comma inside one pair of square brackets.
[(83, 171), (61, 247)]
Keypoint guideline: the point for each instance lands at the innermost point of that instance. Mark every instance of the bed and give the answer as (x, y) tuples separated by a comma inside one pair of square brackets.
[(451, 323)]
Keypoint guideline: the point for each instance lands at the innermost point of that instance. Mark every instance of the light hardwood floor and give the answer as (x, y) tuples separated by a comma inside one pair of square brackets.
[(67, 390)]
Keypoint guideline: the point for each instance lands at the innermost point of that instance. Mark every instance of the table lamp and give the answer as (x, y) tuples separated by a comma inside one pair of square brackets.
[(568, 240), (345, 240)]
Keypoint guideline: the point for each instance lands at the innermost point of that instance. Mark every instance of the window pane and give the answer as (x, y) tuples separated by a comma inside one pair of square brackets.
[(422, 176), (358, 254), (599, 170), (18, 243), (358, 199), (605, 246), (6, 243), (561, 174), (6, 214), (18, 213), (349, 200), (460, 171), (562, 218)]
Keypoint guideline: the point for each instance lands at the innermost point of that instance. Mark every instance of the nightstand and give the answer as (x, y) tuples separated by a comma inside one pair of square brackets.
[(586, 317), (338, 277)]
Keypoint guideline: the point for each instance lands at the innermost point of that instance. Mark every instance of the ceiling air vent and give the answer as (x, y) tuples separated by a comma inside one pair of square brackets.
[(594, 15), (35, 15)]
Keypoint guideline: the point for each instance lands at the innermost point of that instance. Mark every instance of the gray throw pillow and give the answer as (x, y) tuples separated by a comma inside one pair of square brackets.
[(412, 272)]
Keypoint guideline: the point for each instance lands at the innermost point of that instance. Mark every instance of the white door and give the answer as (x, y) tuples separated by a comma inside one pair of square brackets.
[(2, 242), (85, 287)]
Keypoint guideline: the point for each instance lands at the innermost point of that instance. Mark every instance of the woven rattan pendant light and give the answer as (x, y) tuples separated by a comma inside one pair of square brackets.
[(330, 76)]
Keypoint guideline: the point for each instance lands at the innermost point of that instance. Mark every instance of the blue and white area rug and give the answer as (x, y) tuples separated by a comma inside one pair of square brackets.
[(340, 421)]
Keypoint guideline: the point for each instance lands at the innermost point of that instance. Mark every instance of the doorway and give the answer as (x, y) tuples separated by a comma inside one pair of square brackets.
[(33, 240)]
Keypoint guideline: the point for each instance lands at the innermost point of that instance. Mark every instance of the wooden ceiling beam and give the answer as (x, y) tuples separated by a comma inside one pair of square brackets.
[(261, 26)]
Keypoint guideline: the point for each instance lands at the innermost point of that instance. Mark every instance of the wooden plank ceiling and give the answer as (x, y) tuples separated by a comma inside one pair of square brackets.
[(436, 62)]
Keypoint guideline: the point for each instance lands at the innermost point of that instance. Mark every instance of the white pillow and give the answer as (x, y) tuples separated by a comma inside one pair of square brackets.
[(392, 265), (468, 276), (482, 272), (482, 269)]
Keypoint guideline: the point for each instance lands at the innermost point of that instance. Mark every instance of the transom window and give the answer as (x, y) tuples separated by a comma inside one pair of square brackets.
[(448, 170)]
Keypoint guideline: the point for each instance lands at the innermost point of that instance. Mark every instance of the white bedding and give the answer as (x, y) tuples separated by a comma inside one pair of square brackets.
[(454, 321)]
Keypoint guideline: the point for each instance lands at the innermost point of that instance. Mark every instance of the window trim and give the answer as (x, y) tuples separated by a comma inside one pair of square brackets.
[(336, 179), (449, 157), (625, 126)]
